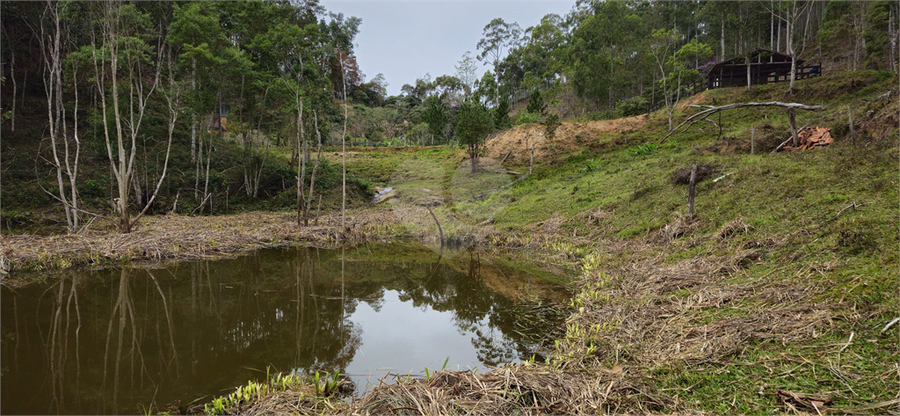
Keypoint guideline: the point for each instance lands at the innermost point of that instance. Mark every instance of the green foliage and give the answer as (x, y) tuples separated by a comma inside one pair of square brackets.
[(436, 116), (501, 115), (473, 124), (633, 106), (536, 103), (682, 68), (877, 36), (254, 391), (551, 124), (326, 385), (605, 53), (643, 149), (527, 118)]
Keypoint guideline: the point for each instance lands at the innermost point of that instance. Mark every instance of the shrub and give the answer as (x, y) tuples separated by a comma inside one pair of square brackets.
[(552, 124), (536, 103), (526, 117), (633, 106)]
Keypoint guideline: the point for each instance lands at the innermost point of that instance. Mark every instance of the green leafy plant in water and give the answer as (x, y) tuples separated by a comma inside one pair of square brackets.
[(328, 384), (252, 391)]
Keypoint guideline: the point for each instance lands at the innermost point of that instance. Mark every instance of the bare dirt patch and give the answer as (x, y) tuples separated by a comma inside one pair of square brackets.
[(570, 138)]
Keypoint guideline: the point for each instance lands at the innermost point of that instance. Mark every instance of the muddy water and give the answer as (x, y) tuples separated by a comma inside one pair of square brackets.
[(117, 341)]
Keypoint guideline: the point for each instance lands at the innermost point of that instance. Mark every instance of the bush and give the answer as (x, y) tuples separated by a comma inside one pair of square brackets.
[(526, 117), (552, 123), (536, 103), (633, 106), (501, 115)]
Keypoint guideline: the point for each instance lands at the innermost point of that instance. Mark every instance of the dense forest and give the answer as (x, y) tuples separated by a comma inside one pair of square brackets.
[(203, 107)]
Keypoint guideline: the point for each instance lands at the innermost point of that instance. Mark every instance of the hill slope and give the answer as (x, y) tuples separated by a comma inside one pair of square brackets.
[(781, 281)]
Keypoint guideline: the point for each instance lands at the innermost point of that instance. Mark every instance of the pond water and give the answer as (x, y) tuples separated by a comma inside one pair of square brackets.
[(116, 341)]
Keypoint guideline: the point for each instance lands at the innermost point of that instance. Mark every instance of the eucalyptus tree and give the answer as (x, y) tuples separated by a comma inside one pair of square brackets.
[(538, 59), (54, 43), (676, 69), (882, 35), (466, 71), (844, 21), (498, 37), (127, 70), (485, 87), (601, 48), (791, 12), (195, 36)]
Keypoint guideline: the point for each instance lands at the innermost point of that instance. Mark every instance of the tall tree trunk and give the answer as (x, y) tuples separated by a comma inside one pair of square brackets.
[(301, 147), (194, 115), (344, 154), (312, 179), (748, 71), (778, 41), (722, 40), (12, 76), (52, 46)]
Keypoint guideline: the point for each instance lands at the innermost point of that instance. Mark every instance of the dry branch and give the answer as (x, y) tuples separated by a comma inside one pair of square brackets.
[(693, 119)]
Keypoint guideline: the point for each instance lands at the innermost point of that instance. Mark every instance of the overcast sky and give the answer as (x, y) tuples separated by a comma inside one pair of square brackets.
[(404, 40)]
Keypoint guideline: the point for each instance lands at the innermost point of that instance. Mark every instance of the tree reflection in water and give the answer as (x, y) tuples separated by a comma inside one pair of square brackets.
[(117, 341)]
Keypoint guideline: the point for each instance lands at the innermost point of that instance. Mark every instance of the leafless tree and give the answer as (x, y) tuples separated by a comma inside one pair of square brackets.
[(52, 45), (118, 49), (790, 12)]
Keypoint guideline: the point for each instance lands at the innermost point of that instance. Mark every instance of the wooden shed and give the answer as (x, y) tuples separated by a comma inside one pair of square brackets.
[(764, 66)]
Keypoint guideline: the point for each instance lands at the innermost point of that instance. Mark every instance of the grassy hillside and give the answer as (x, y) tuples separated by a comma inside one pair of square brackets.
[(782, 280)]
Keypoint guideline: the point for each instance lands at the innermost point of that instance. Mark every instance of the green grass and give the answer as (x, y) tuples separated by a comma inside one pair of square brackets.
[(825, 220)]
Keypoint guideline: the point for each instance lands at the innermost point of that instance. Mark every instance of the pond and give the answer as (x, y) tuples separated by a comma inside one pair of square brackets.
[(118, 340)]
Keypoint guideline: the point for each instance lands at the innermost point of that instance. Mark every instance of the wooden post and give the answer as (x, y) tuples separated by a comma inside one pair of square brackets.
[(719, 137), (531, 165), (793, 127), (691, 192), (752, 140)]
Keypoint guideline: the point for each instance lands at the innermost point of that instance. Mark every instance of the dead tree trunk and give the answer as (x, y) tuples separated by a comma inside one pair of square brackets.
[(793, 120), (710, 110)]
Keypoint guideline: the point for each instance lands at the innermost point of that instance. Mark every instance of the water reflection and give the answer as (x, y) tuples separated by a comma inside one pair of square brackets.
[(113, 341)]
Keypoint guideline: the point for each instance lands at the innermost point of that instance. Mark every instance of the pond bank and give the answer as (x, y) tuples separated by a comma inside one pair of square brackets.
[(176, 237)]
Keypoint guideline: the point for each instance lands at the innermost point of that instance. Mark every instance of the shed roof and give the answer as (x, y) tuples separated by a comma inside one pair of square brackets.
[(758, 55)]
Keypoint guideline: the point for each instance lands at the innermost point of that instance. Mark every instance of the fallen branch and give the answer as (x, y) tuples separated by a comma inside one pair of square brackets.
[(693, 119), (786, 141), (441, 231), (521, 178), (490, 191), (853, 205), (890, 324), (777, 148)]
